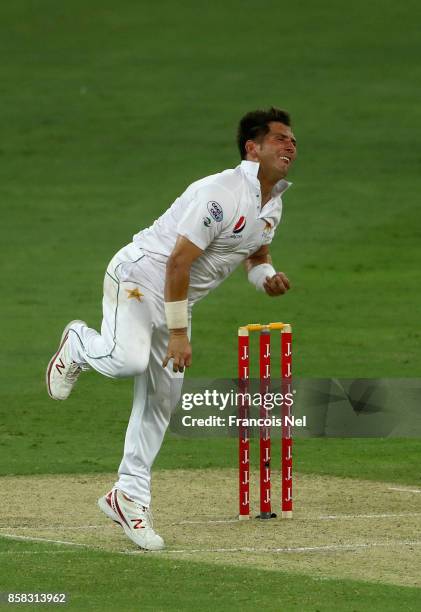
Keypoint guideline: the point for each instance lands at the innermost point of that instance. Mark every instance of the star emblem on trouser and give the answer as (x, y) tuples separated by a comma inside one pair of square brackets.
[(134, 293)]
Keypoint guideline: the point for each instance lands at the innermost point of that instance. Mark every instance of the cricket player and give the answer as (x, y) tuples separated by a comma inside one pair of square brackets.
[(150, 287)]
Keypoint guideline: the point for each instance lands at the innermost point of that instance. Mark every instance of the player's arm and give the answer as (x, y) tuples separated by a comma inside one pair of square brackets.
[(210, 209), (176, 293), (262, 274)]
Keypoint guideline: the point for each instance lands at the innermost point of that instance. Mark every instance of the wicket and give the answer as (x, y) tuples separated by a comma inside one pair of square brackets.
[(265, 437)]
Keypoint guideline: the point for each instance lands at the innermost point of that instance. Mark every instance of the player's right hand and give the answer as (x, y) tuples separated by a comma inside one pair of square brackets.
[(179, 350)]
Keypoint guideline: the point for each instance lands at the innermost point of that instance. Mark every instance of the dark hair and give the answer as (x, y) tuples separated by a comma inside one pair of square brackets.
[(255, 124)]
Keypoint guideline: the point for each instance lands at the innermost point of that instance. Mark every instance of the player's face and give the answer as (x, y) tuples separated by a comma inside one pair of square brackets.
[(277, 150)]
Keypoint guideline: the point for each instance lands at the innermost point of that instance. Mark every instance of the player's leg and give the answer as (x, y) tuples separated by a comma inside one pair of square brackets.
[(156, 394), (122, 347)]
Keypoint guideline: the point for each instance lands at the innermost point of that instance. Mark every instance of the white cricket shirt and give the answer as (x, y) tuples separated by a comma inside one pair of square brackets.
[(222, 215)]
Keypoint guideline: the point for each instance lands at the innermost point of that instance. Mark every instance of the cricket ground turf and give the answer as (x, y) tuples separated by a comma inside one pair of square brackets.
[(108, 112)]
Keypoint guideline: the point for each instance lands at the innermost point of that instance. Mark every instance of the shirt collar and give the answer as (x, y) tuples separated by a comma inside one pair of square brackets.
[(250, 170)]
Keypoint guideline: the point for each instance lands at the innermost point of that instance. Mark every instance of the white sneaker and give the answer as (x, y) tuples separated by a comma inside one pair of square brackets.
[(135, 519), (62, 372)]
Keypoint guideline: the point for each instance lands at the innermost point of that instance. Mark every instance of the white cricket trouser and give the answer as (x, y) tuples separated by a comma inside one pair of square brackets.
[(133, 342)]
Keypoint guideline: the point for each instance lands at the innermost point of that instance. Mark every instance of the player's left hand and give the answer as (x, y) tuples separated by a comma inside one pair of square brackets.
[(278, 284)]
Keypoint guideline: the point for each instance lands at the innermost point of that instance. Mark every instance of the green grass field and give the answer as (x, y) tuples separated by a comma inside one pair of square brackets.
[(223, 588), (108, 112)]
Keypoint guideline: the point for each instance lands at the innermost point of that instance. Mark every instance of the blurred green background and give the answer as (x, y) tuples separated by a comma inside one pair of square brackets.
[(109, 112)]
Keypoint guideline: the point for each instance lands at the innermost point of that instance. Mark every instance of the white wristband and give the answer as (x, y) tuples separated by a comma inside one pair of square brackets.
[(176, 314), (257, 275)]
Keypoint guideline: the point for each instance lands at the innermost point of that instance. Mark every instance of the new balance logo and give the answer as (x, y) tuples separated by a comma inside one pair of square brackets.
[(137, 523), (60, 366)]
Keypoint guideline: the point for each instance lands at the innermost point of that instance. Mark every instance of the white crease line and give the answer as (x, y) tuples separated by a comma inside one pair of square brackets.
[(12, 536), (330, 517), (50, 527), (38, 552), (298, 549), (327, 517), (289, 549), (404, 490)]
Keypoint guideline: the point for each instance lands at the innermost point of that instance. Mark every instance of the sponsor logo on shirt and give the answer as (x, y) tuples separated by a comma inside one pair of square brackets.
[(238, 228), (207, 221), (215, 211), (240, 225)]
